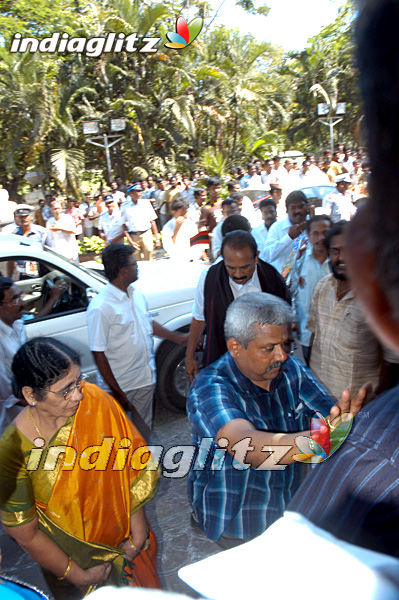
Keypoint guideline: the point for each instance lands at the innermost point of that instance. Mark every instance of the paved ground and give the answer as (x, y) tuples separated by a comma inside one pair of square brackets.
[(169, 514)]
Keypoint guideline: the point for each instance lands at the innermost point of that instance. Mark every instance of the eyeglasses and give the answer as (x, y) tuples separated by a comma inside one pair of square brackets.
[(16, 300), (69, 392)]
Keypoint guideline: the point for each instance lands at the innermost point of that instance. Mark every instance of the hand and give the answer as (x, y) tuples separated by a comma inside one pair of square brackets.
[(347, 405), (295, 230), (97, 574), (122, 399), (191, 368), (56, 292), (181, 338), (179, 222), (131, 553), (158, 244), (301, 282), (135, 245)]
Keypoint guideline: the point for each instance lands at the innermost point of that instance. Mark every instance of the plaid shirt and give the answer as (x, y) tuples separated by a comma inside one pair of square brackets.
[(231, 499)]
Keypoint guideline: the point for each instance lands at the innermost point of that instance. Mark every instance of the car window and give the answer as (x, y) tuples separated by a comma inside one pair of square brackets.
[(36, 278)]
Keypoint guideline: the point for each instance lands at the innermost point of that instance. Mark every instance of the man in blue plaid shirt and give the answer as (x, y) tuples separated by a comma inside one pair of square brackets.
[(253, 391)]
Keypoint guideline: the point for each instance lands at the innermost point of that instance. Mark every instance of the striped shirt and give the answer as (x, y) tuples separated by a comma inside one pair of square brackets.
[(355, 493), (229, 498)]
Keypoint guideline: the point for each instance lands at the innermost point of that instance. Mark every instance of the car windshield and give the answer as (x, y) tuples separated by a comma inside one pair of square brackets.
[(93, 272)]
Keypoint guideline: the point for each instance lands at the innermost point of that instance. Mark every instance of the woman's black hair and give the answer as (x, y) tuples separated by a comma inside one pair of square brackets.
[(39, 363)]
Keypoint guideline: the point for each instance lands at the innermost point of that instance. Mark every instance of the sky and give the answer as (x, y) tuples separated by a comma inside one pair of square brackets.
[(290, 23)]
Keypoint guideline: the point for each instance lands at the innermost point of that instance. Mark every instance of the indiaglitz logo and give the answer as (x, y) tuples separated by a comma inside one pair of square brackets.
[(326, 438), (185, 33)]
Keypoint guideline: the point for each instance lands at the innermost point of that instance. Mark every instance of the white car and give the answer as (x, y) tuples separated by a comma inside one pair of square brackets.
[(168, 286)]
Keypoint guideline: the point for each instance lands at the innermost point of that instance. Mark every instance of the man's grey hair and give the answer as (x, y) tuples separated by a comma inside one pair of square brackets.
[(255, 309)]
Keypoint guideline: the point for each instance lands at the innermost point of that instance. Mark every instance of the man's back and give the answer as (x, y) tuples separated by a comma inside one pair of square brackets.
[(355, 493)]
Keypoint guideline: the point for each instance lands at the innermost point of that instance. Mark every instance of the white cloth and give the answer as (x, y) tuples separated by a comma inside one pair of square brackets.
[(217, 238), (11, 339), (238, 290), (63, 243), (311, 272), (120, 325), (260, 233), (362, 573), (268, 178), (339, 206), (110, 223), (180, 250), (251, 183), (138, 217), (279, 244), (193, 213), (248, 211)]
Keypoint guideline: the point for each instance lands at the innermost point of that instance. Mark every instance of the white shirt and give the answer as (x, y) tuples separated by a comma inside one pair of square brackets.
[(193, 213), (63, 243), (279, 244), (11, 339), (339, 206), (261, 233), (311, 272), (238, 290), (181, 249), (138, 217), (217, 238), (108, 222), (248, 211), (253, 182), (120, 325)]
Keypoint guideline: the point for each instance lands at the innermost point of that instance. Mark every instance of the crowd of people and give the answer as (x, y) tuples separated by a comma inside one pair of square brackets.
[(278, 274)]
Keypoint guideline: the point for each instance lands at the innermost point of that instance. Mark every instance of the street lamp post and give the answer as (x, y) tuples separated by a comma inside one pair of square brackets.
[(93, 129), (324, 109)]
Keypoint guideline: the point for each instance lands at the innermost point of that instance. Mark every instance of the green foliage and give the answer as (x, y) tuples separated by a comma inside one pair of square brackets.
[(227, 96), (93, 244)]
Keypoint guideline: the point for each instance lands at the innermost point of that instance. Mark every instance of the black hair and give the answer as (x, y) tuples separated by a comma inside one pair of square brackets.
[(236, 196), (277, 157), (231, 184), (235, 223), (295, 196), (238, 240), (5, 284), (317, 219), (267, 202), (213, 181), (198, 191), (115, 257), (228, 202), (249, 165), (39, 363), (337, 229), (179, 203)]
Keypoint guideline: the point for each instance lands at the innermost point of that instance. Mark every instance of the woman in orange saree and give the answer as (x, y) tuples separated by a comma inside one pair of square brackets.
[(74, 477)]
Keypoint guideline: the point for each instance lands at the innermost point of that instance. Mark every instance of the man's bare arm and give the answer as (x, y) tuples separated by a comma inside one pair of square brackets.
[(108, 376), (196, 330)]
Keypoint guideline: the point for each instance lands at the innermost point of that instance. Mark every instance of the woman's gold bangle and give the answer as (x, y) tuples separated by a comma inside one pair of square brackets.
[(145, 547), (67, 569)]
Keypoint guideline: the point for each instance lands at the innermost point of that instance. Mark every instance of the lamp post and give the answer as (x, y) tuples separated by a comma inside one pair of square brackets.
[(324, 109), (93, 129)]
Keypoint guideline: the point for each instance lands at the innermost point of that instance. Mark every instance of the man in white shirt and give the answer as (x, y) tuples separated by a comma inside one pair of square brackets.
[(120, 331), (285, 236), (110, 226), (251, 180), (177, 233), (62, 233), (138, 218), (313, 266), (117, 194), (288, 177), (229, 207), (268, 176), (194, 210), (240, 272), (339, 204), (269, 215), (187, 194)]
